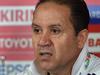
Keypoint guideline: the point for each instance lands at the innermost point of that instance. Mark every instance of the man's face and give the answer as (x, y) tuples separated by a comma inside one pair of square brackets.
[(54, 37)]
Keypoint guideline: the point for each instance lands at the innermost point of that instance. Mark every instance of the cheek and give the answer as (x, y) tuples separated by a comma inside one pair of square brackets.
[(34, 44), (34, 41), (64, 46)]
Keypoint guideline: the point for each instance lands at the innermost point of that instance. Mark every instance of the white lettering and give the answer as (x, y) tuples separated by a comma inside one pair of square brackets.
[(95, 14), (15, 43)]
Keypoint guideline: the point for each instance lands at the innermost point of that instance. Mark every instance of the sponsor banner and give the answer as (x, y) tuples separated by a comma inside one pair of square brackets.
[(16, 30), (17, 2), (93, 2), (95, 14), (94, 42), (94, 28), (16, 15), (16, 42), (97, 53), (16, 48), (13, 67), (33, 2)]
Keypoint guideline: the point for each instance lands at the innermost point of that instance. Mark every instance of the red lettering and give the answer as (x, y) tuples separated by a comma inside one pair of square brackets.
[(4, 16), (19, 15), (91, 42), (26, 17), (12, 15), (98, 42)]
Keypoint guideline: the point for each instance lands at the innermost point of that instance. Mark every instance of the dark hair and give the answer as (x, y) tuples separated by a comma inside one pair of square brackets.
[(79, 12)]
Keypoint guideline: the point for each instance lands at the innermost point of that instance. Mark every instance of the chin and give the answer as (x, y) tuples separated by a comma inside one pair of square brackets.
[(46, 67)]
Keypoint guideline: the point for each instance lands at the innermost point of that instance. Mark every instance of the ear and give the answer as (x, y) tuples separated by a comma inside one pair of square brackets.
[(82, 37)]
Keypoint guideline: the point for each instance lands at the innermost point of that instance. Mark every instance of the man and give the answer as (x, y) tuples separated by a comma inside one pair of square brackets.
[(59, 34)]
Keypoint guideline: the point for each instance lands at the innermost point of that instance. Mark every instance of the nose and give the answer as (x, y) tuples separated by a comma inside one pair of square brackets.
[(45, 40)]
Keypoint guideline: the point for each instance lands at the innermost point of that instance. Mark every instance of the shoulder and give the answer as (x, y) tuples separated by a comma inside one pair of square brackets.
[(94, 61), (94, 66), (31, 70)]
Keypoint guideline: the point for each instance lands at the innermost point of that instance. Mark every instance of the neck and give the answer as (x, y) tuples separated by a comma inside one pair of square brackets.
[(63, 70)]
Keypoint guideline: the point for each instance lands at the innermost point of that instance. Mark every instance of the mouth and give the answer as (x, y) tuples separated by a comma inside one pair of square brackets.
[(45, 54)]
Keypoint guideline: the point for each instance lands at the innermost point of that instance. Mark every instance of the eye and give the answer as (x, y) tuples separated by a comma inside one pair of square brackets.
[(55, 30), (37, 30)]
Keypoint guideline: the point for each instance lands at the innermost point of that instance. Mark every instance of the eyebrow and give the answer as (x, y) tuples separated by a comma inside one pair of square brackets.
[(33, 24), (55, 25)]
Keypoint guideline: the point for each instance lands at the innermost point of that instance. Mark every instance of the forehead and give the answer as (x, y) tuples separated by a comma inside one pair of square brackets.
[(63, 9), (55, 5), (51, 12)]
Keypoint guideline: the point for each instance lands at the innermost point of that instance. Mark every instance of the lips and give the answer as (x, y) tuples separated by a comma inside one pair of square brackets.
[(45, 54)]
